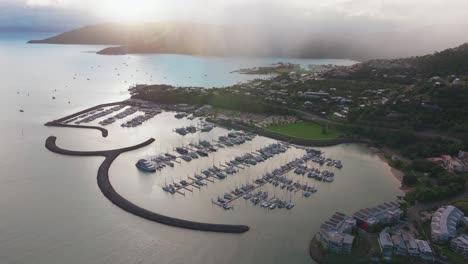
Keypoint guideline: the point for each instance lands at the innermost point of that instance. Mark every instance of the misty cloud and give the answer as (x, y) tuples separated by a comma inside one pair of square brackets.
[(358, 29)]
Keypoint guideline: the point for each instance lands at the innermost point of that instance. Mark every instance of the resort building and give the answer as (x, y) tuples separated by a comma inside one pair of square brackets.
[(425, 251), (460, 245), (386, 213), (444, 223), (453, 164), (335, 234), (400, 243), (411, 245), (386, 244)]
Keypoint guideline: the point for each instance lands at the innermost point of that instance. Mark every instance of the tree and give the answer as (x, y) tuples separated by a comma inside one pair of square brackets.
[(410, 180), (422, 165)]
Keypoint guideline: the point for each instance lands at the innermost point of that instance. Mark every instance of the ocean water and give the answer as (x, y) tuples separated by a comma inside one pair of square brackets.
[(52, 210)]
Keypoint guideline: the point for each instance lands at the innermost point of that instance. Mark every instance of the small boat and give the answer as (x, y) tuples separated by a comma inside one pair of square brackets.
[(186, 158), (202, 153), (221, 175), (184, 182), (181, 150), (200, 183)]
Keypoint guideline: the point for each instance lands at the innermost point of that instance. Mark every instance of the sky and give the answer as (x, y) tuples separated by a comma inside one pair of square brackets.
[(432, 24)]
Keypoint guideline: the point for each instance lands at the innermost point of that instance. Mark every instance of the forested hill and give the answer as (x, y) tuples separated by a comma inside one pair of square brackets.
[(452, 61)]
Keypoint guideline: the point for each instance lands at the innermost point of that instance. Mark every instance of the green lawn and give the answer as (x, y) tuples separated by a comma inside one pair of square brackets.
[(304, 130), (453, 257), (462, 205)]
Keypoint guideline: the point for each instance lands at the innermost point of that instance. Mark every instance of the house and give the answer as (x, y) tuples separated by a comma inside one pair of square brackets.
[(399, 246), (425, 251), (460, 245), (457, 81), (411, 245), (453, 164), (438, 161), (308, 104), (444, 223), (386, 244)]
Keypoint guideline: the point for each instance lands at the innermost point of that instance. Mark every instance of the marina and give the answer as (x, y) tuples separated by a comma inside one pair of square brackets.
[(279, 178)]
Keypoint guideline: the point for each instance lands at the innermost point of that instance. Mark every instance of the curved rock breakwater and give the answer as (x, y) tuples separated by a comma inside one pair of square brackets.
[(109, 192), (104, 131)]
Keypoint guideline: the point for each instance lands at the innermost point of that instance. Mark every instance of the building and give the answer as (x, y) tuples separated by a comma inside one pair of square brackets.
[(453, 164), (411, 245), (438, 161), (386, 244), (463, 156), (315, 95), (337, 242), (401, 243), (386, 213), (460, 245), (444, 223), (425, 251), (335, 234)]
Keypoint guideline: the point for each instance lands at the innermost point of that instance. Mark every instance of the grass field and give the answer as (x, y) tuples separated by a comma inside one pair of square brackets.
[(304, 130)]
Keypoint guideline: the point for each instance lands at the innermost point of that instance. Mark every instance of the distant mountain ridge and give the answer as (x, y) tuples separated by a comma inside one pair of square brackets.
[(204, 39), (449, 61), (178, 38)]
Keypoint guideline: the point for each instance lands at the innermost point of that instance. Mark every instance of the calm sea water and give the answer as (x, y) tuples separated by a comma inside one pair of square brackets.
[(53, 212)]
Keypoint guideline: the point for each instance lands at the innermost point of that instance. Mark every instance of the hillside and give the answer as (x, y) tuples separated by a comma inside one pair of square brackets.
[(450, 61), (204, 39), (177, 38)]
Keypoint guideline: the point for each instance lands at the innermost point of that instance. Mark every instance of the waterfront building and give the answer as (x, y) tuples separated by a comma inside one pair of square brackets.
[(425, 251), (445, 222), (401, 243), (411, 245), (460, 245), (386, 244), (335, 234), (386, 213)]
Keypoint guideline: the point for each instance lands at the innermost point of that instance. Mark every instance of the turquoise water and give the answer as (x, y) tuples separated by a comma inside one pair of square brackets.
[(53, 211)]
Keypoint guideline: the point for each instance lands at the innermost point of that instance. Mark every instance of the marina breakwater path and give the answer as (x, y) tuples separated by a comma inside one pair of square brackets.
[(59, 122), (109, 192)]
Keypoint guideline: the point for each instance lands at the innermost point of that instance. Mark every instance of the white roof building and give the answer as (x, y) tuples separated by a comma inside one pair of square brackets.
[(444, 223), (335, 233), (460, 245)]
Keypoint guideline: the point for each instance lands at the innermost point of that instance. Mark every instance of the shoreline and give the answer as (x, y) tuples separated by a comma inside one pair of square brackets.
[(397, 174)]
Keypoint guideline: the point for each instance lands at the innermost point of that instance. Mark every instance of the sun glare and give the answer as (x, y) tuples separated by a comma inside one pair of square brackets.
[(125, 10)]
